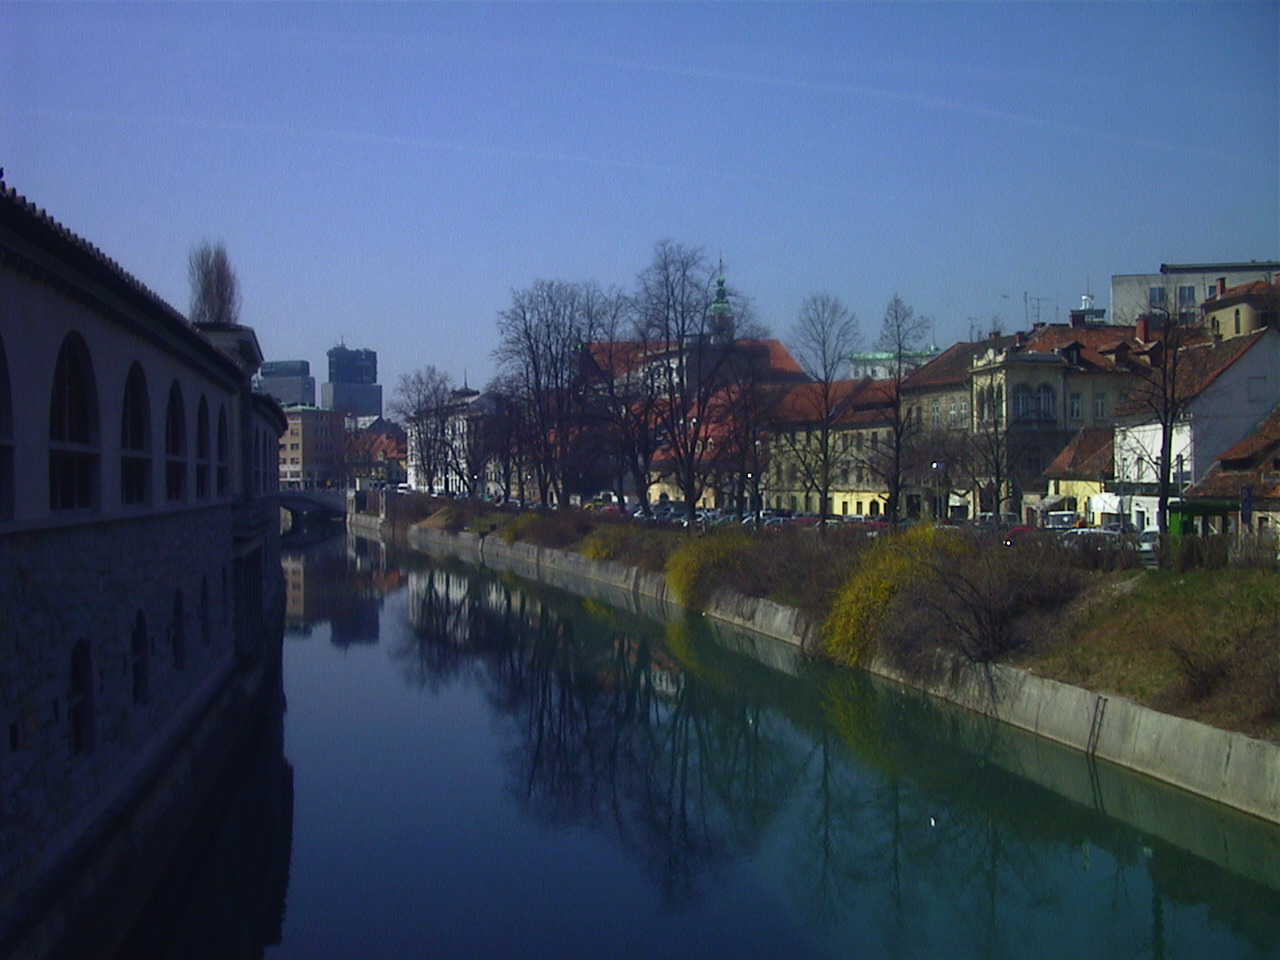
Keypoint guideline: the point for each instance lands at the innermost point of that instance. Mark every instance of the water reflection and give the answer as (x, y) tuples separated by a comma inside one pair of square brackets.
[(340, 581), (878, 812), (224, 896)]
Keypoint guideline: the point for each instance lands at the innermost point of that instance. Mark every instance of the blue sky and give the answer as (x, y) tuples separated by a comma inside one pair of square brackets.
[(388, 174)]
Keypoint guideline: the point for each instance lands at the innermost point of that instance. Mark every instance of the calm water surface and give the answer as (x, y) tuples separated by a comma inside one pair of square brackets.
[(487, 769)]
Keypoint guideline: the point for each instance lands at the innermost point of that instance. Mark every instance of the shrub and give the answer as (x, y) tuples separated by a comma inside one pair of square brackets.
[(977, 603), (630, 543), (699, 565), (851, 631)]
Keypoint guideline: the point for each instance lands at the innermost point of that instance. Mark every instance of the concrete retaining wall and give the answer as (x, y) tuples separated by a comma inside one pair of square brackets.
[(1228, 768)]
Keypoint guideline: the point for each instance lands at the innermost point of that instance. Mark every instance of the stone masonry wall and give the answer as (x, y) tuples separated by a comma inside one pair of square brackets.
[(89, 583)]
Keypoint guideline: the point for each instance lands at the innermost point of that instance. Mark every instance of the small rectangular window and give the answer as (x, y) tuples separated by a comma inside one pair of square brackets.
[(1099, 406), (1075, 407)]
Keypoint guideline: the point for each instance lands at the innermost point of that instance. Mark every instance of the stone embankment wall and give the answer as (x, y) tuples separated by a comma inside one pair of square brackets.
[(1228, 768)]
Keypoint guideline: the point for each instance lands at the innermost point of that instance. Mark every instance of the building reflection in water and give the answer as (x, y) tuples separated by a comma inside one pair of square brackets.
[(223, 898), (341, 581), (692, 755)]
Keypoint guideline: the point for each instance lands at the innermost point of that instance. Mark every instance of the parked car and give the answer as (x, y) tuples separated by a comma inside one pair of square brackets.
[(1148, 545)]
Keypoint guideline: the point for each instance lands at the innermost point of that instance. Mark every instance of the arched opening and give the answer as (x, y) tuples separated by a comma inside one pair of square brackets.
[(202, 451), (206, 614), (140, 660), (1023, 402), (80, 710), (135, 439), (224, 454), (6, 439), (175, 446), (73, 429), (178, 633)]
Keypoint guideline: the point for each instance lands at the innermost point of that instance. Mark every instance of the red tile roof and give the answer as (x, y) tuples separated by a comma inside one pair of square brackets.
[(1253, 462), (950, 369), (1200, 365), (1090, 455)]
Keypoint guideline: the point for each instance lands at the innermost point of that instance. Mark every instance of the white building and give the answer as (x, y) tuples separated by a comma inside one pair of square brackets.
[(1180, 288), (1232, 385)]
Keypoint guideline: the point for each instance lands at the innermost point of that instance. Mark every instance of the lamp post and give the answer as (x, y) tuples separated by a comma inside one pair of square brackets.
[(941, 491)]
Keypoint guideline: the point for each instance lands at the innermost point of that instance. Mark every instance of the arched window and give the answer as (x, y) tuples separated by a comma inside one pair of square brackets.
[(135, 439), (178, 633), (6, 440), (203, 450), (1023, 402), (175, 447), (80, 710), (1047, 402), (140, 660), (73, 429), (206, 614), (224, 454)]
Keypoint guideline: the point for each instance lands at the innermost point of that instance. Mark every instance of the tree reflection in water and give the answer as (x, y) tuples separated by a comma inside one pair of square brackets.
[(693, 756)]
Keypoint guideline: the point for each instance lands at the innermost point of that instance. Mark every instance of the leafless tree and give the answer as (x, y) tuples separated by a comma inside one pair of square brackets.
[(690, 346), (902, 335), (822, 341), (540, 338), (422, 405), (215, 291), (1177, 356)]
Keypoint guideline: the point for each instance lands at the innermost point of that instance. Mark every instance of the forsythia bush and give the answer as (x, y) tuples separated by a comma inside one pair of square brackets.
[(606, 542), (697, 565), (851, 630)]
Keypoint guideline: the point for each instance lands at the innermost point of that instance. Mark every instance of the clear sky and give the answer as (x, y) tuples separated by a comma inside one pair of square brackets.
[(388, 174)]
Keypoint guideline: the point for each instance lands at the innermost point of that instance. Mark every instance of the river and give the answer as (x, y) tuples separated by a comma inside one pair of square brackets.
[(486, 768)]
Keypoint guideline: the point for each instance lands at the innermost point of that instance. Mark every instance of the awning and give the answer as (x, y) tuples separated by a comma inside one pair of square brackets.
[(1106, 503)]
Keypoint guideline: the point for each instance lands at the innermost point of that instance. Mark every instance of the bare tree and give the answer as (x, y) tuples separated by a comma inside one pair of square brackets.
[(619, 394), (215, 291), (541, 335), (1177, 357), (690, 346), (902, 335), (422, 403), (822, 341)]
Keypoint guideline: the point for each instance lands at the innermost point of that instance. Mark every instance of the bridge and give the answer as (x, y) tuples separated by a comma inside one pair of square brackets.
[(308, 507)]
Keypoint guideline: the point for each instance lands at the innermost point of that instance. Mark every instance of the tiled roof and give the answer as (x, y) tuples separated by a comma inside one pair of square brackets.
[(950, 369), (1264, 437), (33, 223), (1200, 365), (1088, 456), (1256, 289), (1252, 462), (55, 253), (855, 402), (1096, 344)]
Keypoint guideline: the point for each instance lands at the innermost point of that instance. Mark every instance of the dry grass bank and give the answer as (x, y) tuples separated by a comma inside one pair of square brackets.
[(1203, 644)]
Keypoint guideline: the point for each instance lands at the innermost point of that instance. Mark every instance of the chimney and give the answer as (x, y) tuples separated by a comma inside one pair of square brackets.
[(1141, 331), (1222, 286), (1077, 319), (1019, 338)]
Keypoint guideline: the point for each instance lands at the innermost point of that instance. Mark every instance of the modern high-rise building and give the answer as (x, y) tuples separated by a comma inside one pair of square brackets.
[(353, 383), (289, 381)]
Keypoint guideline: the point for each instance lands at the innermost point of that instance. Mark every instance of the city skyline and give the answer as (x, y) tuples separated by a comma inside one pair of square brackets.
[(385, 176)]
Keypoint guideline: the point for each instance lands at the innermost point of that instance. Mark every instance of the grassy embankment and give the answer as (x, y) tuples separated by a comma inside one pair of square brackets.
[(1198, 643)]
